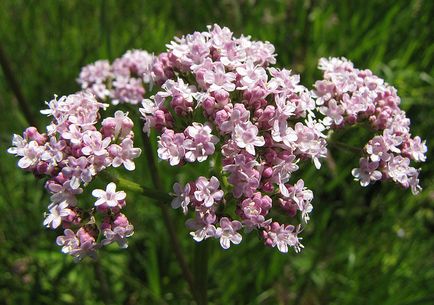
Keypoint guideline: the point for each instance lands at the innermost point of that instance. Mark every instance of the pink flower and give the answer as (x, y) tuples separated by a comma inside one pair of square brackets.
[(282, 133), (399, 169), (378, 150), (282, 172), (126, 154), (243, 175), (302, 197), (254, 209), (199, 142), (282, 236), (239, 115), (367, 172), (227, 232), (118, 231), (182, 197), (246, 136), (73, 134), (119, 125), (30, 154), (310, 143), (170, 146), (69, 241), (208, 192), (416, 149), (283, 81), (109, 197), (94, 76), (54, 219), (134, 63), (251, 75), (218, 79), (203, 226), (127, 90), (333, 112), (94, 144)]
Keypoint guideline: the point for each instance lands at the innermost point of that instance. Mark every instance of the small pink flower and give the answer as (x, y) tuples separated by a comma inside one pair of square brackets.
[(251, 75), (94, 144), (367, 172), (170, 146), (246, 136), (199, 142), (417, 149), (119, 125), (227, 232), (69, 241), (54, 219), (182, 197), (109, 197), (333, 112), (254, 209), (239, 115), (118, 231), (282, 236), (208, 192), (378, 149), (203, 226), (218, 79), (31, 154), (125, 154)]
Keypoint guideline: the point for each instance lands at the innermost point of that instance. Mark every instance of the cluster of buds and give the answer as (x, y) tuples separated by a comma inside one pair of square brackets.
[(123, 81), (71, 153), (347, 96)]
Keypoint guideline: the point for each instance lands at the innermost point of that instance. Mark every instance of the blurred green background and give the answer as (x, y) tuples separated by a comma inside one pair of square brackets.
[(370, 245)]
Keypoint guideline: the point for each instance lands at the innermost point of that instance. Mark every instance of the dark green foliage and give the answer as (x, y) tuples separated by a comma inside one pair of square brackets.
[(370, 245)]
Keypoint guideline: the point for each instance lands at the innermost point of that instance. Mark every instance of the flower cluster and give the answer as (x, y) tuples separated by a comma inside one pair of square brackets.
[(219, 97), (70, 154), (348, 95), (121, 82)]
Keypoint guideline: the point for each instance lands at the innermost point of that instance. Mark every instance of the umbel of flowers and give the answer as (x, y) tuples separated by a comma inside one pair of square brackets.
[(347, 96), (218, 100), (220, 97), (70, 154)]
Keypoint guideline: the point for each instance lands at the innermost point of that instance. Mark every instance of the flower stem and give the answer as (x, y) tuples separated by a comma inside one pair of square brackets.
[(132, 186), (344, 146), (156, 181), (200, 269), (15, 88)]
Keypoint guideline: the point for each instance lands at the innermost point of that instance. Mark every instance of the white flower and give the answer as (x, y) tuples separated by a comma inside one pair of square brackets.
[(109, 196), (54, 219)]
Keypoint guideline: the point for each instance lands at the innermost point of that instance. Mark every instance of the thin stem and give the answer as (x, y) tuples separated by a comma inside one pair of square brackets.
[(200, 269), (132, 186), (102, 282), (344, 146), (15, 87), (160, 197), (156, 181)]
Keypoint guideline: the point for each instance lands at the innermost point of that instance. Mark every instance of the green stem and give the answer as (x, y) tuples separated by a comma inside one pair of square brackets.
[(16, 89), (344, 146), (160, 197), (200, 269), (155, 177), (132, 186)]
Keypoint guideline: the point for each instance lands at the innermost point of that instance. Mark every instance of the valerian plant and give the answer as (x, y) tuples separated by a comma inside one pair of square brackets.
[(218, 99)]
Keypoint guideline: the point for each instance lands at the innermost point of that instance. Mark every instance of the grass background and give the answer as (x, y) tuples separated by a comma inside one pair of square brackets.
[(370, 245)]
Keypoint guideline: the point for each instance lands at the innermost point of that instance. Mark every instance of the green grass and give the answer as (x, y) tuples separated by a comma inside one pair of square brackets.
[(363, 246)]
